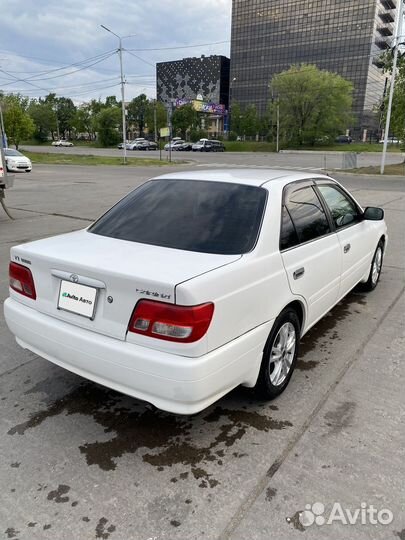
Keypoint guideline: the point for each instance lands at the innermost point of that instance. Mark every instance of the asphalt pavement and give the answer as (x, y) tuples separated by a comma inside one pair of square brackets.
[(313, 160), (79, 461)]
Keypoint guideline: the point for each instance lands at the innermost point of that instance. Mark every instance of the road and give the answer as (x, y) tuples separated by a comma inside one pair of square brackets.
[(79, 461), (291, 159)]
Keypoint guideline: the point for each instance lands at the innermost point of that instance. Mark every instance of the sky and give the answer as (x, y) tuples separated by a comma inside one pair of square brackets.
[(50, 46)]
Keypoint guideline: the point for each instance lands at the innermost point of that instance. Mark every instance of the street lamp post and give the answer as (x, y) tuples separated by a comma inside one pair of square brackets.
[(124, 127), (229, 104), (399, 25)]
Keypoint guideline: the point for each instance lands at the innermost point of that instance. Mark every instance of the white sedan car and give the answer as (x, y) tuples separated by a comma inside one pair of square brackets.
[(195, 283), (16, 161), (62, 142), (174, 145)]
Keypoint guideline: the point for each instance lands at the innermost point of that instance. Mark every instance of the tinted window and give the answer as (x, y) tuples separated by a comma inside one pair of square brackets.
[(210, 217), (343, 209), (307, 214), (288, 236)]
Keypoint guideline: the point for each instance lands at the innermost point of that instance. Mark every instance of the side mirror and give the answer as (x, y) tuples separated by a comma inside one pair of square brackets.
[(373, 214)]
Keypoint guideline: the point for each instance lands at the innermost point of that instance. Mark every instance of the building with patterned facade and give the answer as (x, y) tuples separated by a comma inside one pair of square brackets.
[(342, 36), (205, 79)]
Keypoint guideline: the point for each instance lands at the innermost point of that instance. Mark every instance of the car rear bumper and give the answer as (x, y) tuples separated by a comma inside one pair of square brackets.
[(174, 383)]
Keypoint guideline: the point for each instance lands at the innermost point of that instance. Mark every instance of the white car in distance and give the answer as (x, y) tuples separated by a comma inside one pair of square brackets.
[(195, 283), (175, 144), (62, 142)]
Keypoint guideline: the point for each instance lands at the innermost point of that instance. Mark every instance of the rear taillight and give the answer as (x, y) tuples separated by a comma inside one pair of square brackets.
[(184, 324), (21, 280)]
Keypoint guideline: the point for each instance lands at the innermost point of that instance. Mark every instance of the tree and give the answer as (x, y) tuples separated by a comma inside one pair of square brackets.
[(65, 112), (137, 111), (161, 116), (313, 103), (107, 123), (185, 118), (83, 121), (44, 118), (17, 122), (236, 118), (250, 121)]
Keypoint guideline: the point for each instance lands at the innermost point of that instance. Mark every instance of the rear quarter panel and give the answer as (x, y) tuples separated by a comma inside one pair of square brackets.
[(247, 293)]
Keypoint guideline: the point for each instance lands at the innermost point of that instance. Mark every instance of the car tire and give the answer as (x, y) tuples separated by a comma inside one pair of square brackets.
[(375, 269), (279, 355)]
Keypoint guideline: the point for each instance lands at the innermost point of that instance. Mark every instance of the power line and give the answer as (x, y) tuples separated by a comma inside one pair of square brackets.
[(181, 47), (79, 85), (35, 79), (139, 58)]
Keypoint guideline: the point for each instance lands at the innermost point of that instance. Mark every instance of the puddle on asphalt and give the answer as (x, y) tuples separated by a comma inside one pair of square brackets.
[(165, 439), (323, 333)]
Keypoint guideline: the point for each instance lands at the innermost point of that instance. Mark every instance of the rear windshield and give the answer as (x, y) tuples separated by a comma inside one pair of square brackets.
[(209, 217)]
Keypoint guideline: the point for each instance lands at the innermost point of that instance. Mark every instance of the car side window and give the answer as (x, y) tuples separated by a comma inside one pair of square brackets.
[(288, 234), (307, 214), (343, 209)]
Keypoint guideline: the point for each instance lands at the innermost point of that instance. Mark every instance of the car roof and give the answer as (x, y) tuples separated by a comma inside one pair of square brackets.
[(251, 177)]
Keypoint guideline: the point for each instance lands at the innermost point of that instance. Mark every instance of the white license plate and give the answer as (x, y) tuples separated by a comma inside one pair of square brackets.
[(77, 298)]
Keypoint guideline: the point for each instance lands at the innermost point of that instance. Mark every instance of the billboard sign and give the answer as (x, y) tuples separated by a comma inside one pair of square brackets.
[(202, 106)]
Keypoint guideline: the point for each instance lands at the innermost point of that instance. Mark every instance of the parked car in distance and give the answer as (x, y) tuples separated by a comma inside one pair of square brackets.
[(62, 142), (143, 145), (217, 146), (152, 145), (120, 146), (203, 145), (196, 282), (16, 161), (185, 147), (344, 139), (391, 140), (174, 145), (208, 145), (131, 144)]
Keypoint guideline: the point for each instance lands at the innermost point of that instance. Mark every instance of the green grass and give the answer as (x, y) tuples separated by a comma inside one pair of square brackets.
[(397, 169), (74, 159), (353, 147), (249, 146), (253, 146)]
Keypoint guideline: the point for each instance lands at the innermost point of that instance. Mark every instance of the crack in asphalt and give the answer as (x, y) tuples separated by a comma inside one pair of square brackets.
[(56, 214)]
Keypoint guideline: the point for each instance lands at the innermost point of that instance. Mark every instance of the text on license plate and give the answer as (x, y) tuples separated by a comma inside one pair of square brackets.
[(77, 298)]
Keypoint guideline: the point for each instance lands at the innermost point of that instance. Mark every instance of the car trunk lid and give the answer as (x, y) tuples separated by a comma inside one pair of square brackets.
[(120, 271)]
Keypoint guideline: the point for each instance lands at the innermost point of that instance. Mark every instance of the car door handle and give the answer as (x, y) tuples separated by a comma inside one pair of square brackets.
[(299, 273), (346, 248)]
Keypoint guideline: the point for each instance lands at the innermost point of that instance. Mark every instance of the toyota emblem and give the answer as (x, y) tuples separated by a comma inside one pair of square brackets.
[(74, 278)]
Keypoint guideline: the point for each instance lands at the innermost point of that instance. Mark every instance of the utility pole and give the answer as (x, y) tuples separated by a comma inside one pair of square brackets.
[(278, 128), (273, 99), (230, 104), (124, 127), (398, 31), (154, 119), (4, 138)]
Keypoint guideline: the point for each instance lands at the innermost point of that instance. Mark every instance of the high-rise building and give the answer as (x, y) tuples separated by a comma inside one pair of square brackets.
[(342, 36), (205, 78)]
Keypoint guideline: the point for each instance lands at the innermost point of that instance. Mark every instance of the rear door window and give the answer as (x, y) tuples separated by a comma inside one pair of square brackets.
[(307, 214), (209, 217)]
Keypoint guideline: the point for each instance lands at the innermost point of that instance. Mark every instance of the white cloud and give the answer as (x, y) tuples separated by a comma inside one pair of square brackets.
[(53, 34)]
